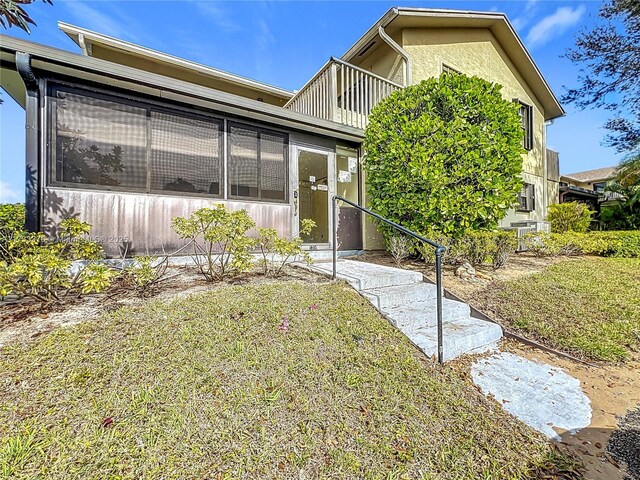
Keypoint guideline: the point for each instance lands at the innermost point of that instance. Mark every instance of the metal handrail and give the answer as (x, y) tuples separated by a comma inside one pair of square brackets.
[(439, 251)]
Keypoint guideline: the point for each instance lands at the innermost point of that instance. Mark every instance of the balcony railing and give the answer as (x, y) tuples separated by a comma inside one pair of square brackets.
[(343, 93)]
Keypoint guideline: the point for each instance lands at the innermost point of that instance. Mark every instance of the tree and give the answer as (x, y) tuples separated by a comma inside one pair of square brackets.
[(12, 13), (444, 156), (625, 213), (610, 74)]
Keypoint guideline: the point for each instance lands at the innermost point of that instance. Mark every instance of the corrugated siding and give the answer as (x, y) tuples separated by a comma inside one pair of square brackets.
[(141, 223)]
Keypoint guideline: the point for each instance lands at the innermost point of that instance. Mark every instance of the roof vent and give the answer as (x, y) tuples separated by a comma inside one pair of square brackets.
[(366, 49)]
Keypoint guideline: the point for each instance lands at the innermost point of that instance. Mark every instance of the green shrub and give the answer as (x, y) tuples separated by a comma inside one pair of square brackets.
[(12, 222), (145, 272), (444, 154), (221, 246), (505, 243), (624, 243), (488, 246), (277, 252), (570, 216), (41, 269)]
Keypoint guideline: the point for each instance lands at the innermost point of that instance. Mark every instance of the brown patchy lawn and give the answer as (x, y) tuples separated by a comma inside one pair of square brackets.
[(219, 385)]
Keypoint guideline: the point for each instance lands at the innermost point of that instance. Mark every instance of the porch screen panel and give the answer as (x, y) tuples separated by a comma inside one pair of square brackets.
[(243, 162), (100, 142), (273, 173), (185, 154)]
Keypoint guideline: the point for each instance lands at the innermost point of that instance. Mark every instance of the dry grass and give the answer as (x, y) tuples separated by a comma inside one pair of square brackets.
[(588, 306), (213, 386)]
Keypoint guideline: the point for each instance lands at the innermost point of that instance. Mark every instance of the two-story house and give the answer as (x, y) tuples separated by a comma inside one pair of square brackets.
[(127, 137)]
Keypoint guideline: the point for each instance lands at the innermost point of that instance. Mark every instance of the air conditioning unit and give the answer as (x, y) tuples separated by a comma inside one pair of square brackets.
[(526, 227)]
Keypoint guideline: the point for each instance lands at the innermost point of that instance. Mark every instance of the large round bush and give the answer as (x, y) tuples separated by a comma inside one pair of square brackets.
[(444, 155)]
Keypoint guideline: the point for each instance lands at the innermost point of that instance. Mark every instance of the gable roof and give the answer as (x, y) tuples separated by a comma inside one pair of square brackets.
[(604, 173), (87, 39), (398, 18)]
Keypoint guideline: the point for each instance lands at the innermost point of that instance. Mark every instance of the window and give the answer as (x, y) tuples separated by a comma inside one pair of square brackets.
[(526, 198), (599, 187), (257, 163), (185, 154), (99, 141), (526, 118), (109, 142)]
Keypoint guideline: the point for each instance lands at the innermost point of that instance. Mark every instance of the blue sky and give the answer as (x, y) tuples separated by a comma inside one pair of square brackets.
[(284, 43)]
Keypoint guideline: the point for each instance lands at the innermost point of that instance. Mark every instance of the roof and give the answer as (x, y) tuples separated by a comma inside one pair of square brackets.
[(52, 61), (88, 39), (587, 176), (399, 18)]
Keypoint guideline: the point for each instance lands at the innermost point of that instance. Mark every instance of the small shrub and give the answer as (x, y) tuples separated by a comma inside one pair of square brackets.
[(277, 252), (488, 246), (221, 246), (41, 269), (569, 217), (12, 222), (625, 243), (475, 247), (428, 253), (504, 245), (400, 247), (145, 272)]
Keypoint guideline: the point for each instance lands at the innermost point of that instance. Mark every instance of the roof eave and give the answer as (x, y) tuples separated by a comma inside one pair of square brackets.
[(223, 101), (90, 36)]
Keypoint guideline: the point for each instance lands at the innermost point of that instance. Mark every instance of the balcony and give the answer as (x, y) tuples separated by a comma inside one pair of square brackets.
[(342, 93)]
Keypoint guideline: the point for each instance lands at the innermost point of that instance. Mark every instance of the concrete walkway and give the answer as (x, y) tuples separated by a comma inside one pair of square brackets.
[(544, 397), (410, 304)]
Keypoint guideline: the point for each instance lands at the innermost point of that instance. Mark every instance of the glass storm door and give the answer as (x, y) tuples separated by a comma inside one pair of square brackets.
[(312, 195)]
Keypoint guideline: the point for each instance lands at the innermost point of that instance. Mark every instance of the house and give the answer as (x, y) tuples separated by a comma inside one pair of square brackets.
[(129, 137), (589, 187)]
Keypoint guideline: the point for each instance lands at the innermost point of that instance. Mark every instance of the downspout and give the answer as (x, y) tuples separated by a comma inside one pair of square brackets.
[(83, 45), (32, 136), (408, 64)]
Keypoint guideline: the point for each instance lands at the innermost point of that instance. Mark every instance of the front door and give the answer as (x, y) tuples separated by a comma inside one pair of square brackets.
[(312, 194)]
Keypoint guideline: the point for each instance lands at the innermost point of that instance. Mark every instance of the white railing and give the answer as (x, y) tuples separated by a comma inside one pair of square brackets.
[(342, 93)]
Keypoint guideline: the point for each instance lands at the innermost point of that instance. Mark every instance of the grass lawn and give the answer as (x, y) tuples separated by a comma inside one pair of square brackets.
[(589, 306), (217, 385)]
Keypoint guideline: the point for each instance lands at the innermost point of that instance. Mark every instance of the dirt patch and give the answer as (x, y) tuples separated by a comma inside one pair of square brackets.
[(613, 391), (23, 320), (518, 265)]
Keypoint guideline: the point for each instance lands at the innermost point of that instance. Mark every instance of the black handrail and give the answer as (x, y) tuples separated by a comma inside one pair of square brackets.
[(439, 251)]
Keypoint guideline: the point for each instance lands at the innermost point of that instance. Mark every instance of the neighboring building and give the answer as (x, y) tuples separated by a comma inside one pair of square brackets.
[(588, 187), (130, 137)]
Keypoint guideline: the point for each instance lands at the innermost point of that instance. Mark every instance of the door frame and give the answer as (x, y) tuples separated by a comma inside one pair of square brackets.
[(293, 185)]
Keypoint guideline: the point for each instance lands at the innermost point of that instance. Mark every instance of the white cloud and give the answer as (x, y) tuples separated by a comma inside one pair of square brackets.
[(10, 194), (217, 15), (110, 20), (554, 25)]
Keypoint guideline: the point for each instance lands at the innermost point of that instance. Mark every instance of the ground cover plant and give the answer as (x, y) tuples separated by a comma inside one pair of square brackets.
[(588, 306), (271, 380)]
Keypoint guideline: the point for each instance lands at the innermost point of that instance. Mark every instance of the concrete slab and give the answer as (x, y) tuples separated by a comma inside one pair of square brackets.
[(462, 336), (364, 276), (424, 312), (396, 296), (540, 395)]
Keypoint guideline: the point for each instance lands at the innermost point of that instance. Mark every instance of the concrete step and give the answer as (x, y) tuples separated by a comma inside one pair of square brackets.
[(389, 297), (460, 337), (365, 276), (424, 313)]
